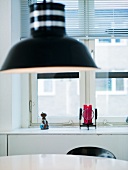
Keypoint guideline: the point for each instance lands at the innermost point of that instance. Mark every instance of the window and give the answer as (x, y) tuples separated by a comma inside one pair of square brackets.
[(57, 96), (105, 40), (117, 40), (119, 84), (111, 85), (46, 87), (104, 85), (112, 81), (65, 100), (110, 42), (105, 90), (61, 96)]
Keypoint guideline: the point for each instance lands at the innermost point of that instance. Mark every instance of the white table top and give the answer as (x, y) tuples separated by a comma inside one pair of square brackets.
[(60, 162)]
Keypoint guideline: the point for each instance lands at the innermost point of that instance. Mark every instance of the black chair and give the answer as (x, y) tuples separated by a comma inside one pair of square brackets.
[(92, 151)]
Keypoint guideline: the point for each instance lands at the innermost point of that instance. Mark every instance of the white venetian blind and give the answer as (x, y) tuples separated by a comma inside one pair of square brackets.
[(25, 31), (88, 18)]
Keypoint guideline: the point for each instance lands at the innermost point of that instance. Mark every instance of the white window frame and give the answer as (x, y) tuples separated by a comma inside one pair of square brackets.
[(87, 79), (87, 93), (35, 119)]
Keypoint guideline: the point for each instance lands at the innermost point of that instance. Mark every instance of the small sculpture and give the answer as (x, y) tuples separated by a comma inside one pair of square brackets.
[(88, 114), (44, 124)]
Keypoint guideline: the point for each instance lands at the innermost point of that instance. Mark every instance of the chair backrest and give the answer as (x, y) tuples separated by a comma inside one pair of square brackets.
[(92, 151)]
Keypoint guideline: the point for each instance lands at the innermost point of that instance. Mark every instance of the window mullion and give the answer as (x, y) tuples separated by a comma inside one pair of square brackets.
[(34, 98), (113, 84), (90, 77)]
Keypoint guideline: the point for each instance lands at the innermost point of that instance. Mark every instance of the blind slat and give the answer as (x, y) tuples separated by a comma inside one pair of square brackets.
[(88, 18)]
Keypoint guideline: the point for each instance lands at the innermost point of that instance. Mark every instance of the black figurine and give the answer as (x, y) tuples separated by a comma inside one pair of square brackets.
[(44, 124)]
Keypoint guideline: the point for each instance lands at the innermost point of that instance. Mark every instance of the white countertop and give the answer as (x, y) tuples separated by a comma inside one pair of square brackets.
[(71, 131), (60, 162)]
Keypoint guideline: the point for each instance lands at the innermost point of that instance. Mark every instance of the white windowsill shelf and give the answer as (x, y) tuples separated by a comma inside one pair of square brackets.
[(71, 131)]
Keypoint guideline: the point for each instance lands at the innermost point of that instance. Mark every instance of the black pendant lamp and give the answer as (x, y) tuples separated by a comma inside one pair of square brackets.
[(49, 49)]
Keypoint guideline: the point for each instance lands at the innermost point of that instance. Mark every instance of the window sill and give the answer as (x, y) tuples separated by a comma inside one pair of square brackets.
[(71, 131)]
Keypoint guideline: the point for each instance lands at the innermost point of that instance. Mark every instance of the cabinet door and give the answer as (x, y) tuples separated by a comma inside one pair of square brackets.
[(3, 145), (61, 144)]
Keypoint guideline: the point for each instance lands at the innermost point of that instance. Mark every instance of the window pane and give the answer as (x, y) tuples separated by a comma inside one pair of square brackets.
[(64, 102), (112, 93), (110, 57)]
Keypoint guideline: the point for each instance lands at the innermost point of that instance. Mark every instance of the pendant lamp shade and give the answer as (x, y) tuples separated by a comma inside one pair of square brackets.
[(49, 49)]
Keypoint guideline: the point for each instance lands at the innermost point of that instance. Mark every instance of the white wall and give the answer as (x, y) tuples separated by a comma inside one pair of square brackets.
[(5, 28), (25, 121), (3, 145), (16, 101), (10, 95)]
